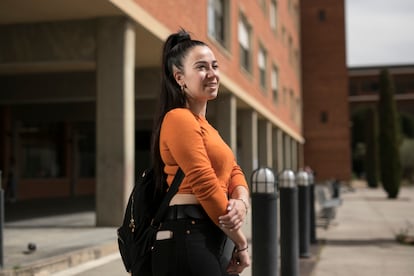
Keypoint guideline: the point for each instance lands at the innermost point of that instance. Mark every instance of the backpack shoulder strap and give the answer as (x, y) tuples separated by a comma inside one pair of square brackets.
[(159, 216)]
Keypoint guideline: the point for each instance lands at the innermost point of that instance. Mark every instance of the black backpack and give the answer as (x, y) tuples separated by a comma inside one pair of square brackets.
[(144, 212)]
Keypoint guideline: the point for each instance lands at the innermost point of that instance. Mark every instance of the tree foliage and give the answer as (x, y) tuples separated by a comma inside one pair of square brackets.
[(389, 136), (371, 156), (365, 157)]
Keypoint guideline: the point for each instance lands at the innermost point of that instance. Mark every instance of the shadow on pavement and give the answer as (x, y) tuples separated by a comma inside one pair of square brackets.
[(362, 242), (38, 208)]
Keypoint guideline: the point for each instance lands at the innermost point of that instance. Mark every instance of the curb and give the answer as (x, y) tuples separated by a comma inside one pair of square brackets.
[(58, 263)]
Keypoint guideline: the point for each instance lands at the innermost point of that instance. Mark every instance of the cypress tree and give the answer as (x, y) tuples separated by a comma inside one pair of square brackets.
[(390, 165)]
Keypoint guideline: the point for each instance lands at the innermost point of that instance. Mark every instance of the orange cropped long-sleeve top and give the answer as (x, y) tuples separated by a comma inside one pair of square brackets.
[(211, 172)]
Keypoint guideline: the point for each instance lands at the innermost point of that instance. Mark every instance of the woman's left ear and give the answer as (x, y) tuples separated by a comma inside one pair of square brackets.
[(178, 76)]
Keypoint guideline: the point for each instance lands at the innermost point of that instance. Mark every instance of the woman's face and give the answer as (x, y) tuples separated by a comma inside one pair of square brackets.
[(200, 75)]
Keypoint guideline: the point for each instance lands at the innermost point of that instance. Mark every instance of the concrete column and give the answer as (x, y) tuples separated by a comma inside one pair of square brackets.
[(265, 143), (115, 118), (248, 142), (275, 157), (288, 152), (278, 164), (301, 163), (294, 155), (226, 121)]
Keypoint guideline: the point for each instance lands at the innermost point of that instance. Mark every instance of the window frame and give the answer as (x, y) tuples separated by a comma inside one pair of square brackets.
[(218, 29), (273, 15), (290, 45), (292, 103), (262, 54), (274, 83), (245, 54), (263, 4), (45, 143)]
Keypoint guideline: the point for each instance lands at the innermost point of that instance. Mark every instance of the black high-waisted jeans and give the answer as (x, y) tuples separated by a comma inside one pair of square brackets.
[(195, 247)]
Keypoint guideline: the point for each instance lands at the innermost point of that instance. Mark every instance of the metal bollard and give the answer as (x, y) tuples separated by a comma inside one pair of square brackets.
[(304, 214), (264, 218), (1, 224), (336, 189), (289, 236), (313, 239)]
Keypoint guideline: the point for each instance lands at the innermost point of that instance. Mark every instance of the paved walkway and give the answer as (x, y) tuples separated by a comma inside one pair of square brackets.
[(63, 231), (360, 241)]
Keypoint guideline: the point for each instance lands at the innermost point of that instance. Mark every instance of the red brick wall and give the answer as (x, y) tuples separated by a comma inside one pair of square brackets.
[(325, 89), (193, 17)]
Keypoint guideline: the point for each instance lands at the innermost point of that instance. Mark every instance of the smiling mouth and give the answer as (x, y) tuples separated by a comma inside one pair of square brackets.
[(213, 84)]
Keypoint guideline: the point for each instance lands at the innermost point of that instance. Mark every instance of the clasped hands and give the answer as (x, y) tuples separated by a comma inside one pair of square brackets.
[(239, 261), (236, 214)]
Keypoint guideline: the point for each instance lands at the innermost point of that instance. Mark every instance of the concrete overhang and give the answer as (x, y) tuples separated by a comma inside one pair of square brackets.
[(149, 44), (150, 35), (28, 11)]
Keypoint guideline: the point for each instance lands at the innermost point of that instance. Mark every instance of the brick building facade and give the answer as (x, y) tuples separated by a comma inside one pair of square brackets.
[(364, 95), (324, 85), (75, 73)]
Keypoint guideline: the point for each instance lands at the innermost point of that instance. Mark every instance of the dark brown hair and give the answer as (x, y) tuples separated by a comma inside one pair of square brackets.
[(175, 49)]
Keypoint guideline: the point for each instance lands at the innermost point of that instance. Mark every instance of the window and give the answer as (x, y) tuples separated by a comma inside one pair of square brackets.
[(283, 35), (86, 152), (322, 15), (324, 117), (298, 114), (263, 4), (284, 95), (353, 87), (370, 86), (261, 61), (297, 16), (218, 20), (42, 152), (297, 61), (244, 43), (275, 84), (292, 103), (290, 41), (273, 15), (290, 5)]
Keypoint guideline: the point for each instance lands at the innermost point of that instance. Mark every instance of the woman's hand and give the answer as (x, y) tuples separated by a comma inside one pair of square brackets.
[(239, 261), (236, 214)]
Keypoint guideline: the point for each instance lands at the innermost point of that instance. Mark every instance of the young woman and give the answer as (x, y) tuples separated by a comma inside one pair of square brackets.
[(212, 200)]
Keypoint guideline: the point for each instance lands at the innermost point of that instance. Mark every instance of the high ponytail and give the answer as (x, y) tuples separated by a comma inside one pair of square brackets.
[(170, 50), (176, 47)]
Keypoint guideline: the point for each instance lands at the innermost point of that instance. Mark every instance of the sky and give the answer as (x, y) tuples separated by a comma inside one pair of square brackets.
[(379, 32)]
